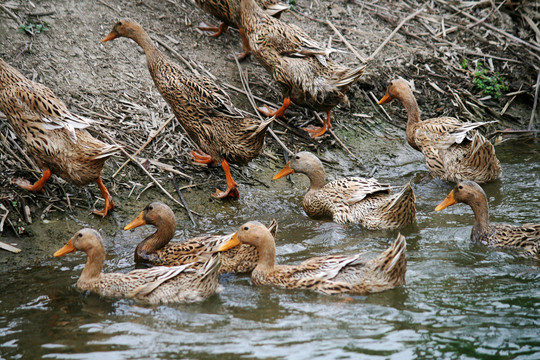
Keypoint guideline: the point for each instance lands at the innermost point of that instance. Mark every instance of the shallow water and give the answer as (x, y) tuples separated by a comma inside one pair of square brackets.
[(461, 300)]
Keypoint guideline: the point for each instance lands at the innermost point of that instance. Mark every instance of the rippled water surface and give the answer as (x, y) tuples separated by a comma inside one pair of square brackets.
[(461, 300)]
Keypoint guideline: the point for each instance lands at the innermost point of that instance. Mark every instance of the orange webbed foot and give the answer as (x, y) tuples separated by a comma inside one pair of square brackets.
[(316, 131), (214, 30), (269, 112), (106, 209), (27, 185), (200, 157), (230, 192)]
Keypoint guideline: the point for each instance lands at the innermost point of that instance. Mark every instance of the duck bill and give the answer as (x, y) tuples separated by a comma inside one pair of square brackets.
[(66, 249), (385, 99), (284, 172), (233, 242), (450, 200), (112, 35), (139, 221)]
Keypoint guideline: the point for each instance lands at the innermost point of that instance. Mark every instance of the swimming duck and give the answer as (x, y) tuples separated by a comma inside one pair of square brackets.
[(157, 249), (454, 151), (525, 237), (55, 137), (223, 133), (298, 63), (227, 11), (351, 199), (185, 283), (332, 274)]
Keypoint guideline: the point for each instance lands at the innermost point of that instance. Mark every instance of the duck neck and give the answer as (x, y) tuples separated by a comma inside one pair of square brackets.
[(267, 256), (164, 233), (481, 214), (317, 178), (413, 116), (142, 38), (93, 267)]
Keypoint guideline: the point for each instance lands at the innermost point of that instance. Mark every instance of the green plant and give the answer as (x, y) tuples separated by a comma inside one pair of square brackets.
[(34, 27), (489, 84), (464, 63)]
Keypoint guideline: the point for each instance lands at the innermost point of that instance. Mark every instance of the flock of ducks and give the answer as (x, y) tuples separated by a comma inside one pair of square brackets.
[(58, 140)]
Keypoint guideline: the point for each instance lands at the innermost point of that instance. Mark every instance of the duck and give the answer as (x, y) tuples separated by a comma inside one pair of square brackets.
[(190, 282), (331, 274), (524, 237), (298, 64), (56, 138), (454, 150), (351, 200), (157, 249), (223, 133), (227, 11)]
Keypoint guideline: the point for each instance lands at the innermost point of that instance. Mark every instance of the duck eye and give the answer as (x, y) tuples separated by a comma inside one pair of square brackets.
[(297, 157), (80, 235), (246, 228), (119, 23), (460, 187), (150, 208)]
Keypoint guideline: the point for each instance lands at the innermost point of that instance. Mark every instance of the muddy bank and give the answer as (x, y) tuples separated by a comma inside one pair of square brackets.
[(110, 82)]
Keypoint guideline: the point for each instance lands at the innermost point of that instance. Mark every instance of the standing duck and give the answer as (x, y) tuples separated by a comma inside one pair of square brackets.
[(525, 237), (223, 133), (454, 151), (157, 249), (186, 283), (54, 136), (227, 11), (298, 63), (332, 274), (352, 199)]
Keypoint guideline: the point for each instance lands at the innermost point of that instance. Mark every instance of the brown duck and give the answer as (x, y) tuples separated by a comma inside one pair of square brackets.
[(454, 151), (186, 283), (227, 11), (525, 237), (54, 136), (157, 249), (332, 274), (298, 63), (351, 200), (223, 133)]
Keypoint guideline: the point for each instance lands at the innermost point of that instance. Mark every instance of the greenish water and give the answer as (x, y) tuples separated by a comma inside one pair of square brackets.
[(461, 300)]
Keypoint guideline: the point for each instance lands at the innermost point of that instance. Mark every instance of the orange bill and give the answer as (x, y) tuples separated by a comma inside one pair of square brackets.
[(139, 221), (233, 242), (385, 99), (284, 172), (66, 249), (450, 200), (112, 35)]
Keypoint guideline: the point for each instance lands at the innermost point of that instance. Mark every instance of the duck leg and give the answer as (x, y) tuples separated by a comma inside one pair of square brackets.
[(37, 186), (315, 131), (217, 30), (109, 204), (200, 157), (232, 186), (268, 112), (245, 46)]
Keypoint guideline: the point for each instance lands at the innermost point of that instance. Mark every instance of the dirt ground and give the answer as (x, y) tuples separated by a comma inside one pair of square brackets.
[(110, 82)]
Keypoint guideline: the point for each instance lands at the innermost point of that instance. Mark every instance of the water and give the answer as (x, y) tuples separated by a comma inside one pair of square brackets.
[(461, 300)]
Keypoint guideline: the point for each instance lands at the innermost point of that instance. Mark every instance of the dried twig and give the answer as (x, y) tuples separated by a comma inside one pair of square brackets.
[(535, 101), (145, 144), (183, 200), (372, 56), (347, 43)]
